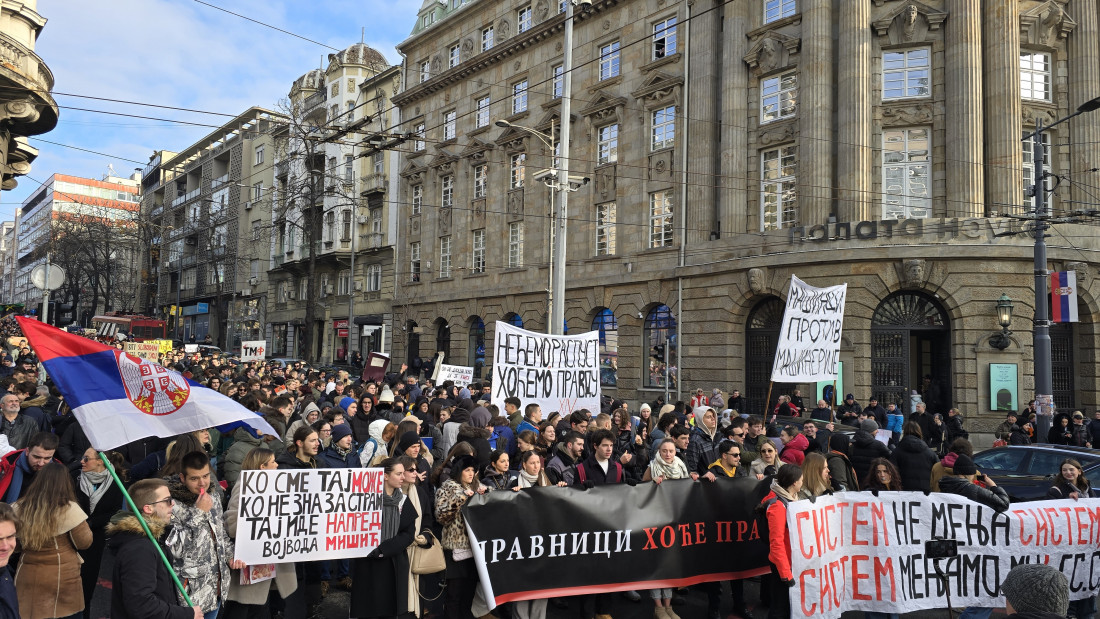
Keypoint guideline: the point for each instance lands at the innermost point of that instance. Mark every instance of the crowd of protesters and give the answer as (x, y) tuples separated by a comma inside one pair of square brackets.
[(82, 553)]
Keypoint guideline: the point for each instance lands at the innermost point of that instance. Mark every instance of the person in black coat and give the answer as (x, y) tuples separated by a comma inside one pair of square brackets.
[(914, 459), (72, 446), (865, 448), (381, 579), (875, 411), (99, 496)]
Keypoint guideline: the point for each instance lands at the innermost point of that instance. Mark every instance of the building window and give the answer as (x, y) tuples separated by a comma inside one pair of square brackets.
[(605, 229), (378, 162), (659, 335), (607, 326), (259, 155), (481, 179), (444, 256), (778, 96), (454, 56), (345, 225), (664, 38), (481, 119), (607, 144), (906, 172), (478, 265), (349, 169), (343, 282), (418, 141), (778, 201), (303, 288), (414, 261), (559, 81), (376, 220), (1035, 76), (374, 278), (425, 70), (664, 127), (905, 74), (447, 195), (324, 286), (429, 18), (609, 60), (330, 226), (284, 291), (257, 191), (516, 169), (450, 125), (523, 19), (417, 198), (515, 245), (777, 9), (519, 97), (660, 219), (487, 38), (1029, 167)]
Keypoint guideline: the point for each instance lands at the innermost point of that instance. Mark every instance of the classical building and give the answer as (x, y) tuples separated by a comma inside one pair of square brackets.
[(732, 145), (334, 222), (207, 209), (26, 106)]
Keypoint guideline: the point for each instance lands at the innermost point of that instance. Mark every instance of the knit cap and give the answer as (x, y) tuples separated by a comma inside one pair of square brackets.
[(1036, 588)]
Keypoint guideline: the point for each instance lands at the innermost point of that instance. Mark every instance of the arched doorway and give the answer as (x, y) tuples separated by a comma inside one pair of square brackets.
[(911, 349), (412, 345), (475, 348), (761, 340)]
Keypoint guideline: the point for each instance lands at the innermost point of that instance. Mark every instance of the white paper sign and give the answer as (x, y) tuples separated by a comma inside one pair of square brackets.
[(460, 374), (308, 514), (253, 350), (809, 339), (558, 372)]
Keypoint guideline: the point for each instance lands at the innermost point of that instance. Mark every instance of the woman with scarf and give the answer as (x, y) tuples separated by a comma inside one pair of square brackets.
[(530, 473), (98, 495), (784, 488), (461, 574), (420, 498), (381, 579), (665, 466)]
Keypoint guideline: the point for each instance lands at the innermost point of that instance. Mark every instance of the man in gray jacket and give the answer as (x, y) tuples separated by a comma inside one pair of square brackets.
[(15, 424)]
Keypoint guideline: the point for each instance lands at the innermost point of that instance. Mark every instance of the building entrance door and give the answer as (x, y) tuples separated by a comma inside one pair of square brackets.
[(911, 350)]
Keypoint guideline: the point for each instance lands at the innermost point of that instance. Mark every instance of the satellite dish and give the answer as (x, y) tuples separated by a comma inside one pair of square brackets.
[(38, 277)]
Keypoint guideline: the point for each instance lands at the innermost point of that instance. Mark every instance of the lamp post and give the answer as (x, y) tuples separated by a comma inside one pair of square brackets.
[(1044, 382), (1004, 318)]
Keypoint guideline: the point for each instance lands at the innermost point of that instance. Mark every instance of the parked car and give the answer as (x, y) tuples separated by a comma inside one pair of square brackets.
[(1026, 472)]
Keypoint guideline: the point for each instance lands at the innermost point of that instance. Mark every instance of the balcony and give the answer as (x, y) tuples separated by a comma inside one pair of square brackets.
[(23, 72), (281, 169), (312, 101), (218, 182), (279, 259), (156, 210), (190, 195), (374, 240), (373, 183)]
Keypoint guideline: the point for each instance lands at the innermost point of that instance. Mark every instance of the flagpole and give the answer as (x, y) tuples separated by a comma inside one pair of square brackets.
[(145, 527)]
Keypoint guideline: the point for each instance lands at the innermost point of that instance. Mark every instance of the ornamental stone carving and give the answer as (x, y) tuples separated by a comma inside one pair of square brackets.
[(605, 182), (909, 23), (437, 64), (771, 52), (912, 272), (515, 204), (467, 45), (445, 221), (504, 28), (916, 114), (757, 279), (542, 10), (777, 134), (1084, 275), (1033, 113), (1044, 25)]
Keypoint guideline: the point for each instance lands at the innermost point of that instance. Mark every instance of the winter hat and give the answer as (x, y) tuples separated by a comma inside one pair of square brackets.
[(839, 442), (1036, 588), (408, 439), (386, 395), (345, 401), (463, 393), (964, 465), (869, 426), (645, 407), (340, 431), (480, 417), (850, 397), (461, 463), (668, 408)]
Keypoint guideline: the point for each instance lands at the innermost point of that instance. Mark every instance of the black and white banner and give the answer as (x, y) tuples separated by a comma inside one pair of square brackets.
[(550, 542), (557, 372), (809, 339)]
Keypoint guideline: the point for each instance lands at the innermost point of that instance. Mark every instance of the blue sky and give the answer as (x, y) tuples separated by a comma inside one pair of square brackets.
[(184, 54)]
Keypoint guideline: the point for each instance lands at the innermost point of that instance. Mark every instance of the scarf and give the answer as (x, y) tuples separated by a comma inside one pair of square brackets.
[(343, 453), (526, 480), (391, 513), (95, 486), (21, 468), (660, 468), (779, 492)]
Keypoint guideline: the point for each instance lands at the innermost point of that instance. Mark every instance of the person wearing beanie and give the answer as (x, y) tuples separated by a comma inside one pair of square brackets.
[(339, 454), (1035, 590), (865, 447), (346, 401), (477, 432)]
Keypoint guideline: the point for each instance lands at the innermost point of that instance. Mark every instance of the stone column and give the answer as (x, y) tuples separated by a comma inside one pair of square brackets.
[(1001, 88), (1084, 85), (815, 121), (963, 63), (735, 109), (854, 147), (702, 123)]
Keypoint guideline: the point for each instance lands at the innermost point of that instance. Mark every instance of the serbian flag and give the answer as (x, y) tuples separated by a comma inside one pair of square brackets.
[(1063, 296), (119, 398)]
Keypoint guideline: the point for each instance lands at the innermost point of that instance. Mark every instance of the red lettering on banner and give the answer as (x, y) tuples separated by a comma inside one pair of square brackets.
[(650, 544), (878, 517), (858, 575), (724, 527), (1050, 513), (671, 536), (1025, 539), (884, 572), (685, 535), (700, 533), (856, 523), (802, 536), (821, 530), (802, 594)]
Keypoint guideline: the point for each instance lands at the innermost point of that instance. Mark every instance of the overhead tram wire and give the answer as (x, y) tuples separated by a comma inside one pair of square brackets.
[(266, 25)]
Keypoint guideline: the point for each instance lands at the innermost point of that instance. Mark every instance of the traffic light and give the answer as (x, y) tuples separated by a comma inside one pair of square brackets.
[(659, 352)]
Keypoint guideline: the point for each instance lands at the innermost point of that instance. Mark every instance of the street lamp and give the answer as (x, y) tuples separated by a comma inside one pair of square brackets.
[(1004, 318)]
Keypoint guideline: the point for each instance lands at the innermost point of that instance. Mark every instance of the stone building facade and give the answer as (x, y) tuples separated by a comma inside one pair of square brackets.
[(27, 106), (734, 144)]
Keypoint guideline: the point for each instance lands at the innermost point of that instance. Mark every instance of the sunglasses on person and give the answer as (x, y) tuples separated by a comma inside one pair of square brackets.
[(168, 500)]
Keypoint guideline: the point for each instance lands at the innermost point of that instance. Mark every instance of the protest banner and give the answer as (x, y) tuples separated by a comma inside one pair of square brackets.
[(809, 338), (558, 372), (308, 514), (163, 346), (673, 534), (253, 350), (143, 350), (855, 551), (190, 348), (460, 374)]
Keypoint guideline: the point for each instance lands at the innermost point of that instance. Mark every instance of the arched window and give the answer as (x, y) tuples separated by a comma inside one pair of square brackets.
[(443, 338), (475, 354), (659, 337), (605, 323), (514, 319)]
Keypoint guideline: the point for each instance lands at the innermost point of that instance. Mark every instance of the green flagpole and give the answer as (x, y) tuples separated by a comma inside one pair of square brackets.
[(145, 526)]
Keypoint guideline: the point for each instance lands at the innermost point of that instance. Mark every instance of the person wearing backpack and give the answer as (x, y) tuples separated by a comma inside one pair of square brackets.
[(772, 513)]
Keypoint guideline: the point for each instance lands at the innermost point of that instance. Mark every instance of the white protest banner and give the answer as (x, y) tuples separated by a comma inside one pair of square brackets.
[(558, 372), (143, 350), (308, 514), (253, 350), (855, 551), (189, 348), (809, 339), (460, 374)]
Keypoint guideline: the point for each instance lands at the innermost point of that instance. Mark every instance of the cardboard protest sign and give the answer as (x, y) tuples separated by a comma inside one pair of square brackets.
[(461, 375), (809, 338), (308, 514), (143, 350), (253, 350), (557, 372), (855, 551)]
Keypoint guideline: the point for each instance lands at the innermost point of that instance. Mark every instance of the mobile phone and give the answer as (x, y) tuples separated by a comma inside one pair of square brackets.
[(941, 548)]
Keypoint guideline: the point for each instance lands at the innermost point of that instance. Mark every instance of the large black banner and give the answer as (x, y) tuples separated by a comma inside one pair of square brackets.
[(549, 542)]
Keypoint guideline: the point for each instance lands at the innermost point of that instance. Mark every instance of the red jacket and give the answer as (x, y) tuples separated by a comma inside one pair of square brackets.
[(779, 538), (794, 452), (7, 469)]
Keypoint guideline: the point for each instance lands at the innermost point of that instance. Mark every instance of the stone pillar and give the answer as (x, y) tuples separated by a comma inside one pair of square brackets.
[(854, 147), (963, 63), (733, 212), (702, 123), (1001, 88), (1084, 85), (815, 121)]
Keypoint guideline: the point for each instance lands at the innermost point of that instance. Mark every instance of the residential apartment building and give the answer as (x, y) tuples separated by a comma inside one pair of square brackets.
[(732, 145), (26, 106), (7, 260), (207, 209), (334, 222)]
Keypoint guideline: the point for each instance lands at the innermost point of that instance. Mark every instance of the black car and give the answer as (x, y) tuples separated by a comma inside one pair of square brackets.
[(1026, 472)]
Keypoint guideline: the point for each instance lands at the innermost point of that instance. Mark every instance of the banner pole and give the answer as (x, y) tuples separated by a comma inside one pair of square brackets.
[(768, 402), (835, 403), (145, 527)]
